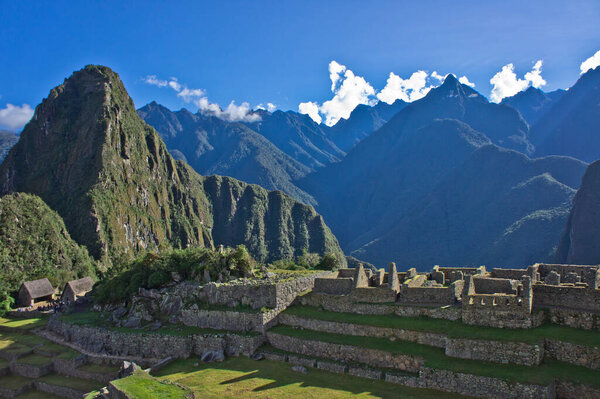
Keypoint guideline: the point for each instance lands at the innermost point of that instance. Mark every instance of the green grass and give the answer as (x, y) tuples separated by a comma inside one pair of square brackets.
[(52, 348), (23, 324), (3, 363), (93, 319), (14, 381), (140, 385), (35, 360), (71, 382), (435, 358), (99, 368), (244, 378), (455, 329), (33, 394)]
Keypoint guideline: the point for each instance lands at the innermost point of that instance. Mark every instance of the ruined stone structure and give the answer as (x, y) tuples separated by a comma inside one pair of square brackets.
[(505, 298)]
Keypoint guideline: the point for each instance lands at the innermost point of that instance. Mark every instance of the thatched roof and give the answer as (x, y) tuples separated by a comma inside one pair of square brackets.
[(38, 288), (80, 286)]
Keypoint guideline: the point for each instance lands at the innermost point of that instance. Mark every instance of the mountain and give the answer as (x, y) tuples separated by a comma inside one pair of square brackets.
[(214, 146), (7, 140), (387, 176), (572, 126), (533, 103), (34, 243), (498, 208), (298, 136), (90, 157), (363, 121), (580, 242)]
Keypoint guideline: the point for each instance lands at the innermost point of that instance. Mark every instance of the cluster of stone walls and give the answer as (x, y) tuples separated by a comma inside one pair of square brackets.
[(489, 285), (149, 345), (346, 353), (513, 274), (581, 298), (491, 351), (587, 273)]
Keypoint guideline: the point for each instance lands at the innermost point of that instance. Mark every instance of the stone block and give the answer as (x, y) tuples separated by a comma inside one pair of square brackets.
[(334, 367), (366, 373), (301, 361), (552, 278)]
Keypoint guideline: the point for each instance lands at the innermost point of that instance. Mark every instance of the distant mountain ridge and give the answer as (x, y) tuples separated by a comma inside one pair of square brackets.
[(533, 103), (7, 140), (409, 162), (572, 126), (109, 175)]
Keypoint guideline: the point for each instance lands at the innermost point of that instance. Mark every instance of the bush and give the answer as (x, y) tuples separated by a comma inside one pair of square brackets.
[(329, 262)]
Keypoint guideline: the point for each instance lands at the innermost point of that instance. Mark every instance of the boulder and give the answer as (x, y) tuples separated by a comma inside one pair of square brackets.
[(299, 369), (257, 356), (213, 356), (119, 312), (132, 322), (127, 369)]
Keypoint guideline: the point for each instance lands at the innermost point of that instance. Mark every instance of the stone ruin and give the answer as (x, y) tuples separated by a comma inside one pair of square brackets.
[(499, 298)]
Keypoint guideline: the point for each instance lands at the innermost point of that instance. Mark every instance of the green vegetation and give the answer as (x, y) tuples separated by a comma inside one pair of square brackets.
[(23, 324), (34, 243), (244, 378), (454, 329), (35, 360), (100, 368), (128, 195), (307, 261), (14, 381), (435, 358), (33, 394), (154, 270), (141, 385), (71, 382)]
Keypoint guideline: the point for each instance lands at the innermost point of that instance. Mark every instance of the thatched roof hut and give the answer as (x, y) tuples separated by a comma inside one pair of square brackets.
[(77, 288), (35, 291)]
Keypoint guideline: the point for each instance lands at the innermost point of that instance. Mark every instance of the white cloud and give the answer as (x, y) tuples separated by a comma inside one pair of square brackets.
[(465, 81), (14, 117), (349, 91), (535, 75), (269, 107), (437, 76), (590, 63), (311, 109), (506, 83), (408, 90), (233, 112)]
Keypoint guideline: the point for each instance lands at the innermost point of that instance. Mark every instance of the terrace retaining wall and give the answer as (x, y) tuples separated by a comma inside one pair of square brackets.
[(347, 353), (581, 355), (491, 351), (100, 340)]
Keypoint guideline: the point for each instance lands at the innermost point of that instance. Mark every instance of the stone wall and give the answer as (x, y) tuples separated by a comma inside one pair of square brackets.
[(440, 296), (153, 345), (345, 304), (581, 298), (513, 274), (489, 285), (334, 286), (569, 390), (587, 273), (491, 351), (373, 295), (227, 320), (581, 355), (452, 313), (575, 319), (60, 391), (345, 353)]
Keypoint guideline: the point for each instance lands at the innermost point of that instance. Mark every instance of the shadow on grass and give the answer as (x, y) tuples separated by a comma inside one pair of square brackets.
[(276, 376)]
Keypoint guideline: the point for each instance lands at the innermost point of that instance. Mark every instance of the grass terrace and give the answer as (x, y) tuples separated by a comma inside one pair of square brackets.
[(141, 385), (71, 382), (35, 360), (454, 329), (23, 324), (244, 378), (435, 358), (33, 394), (99, 368)]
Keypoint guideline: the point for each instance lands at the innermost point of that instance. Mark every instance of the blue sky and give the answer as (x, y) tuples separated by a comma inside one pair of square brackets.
[(279, 51)]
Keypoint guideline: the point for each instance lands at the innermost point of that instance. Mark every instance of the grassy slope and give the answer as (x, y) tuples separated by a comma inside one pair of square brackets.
[(454, 329), (140, 385), (435, 357), (242, 377)]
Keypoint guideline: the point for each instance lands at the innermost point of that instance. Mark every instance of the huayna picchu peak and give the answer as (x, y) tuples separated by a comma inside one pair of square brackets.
[(109, 175)]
